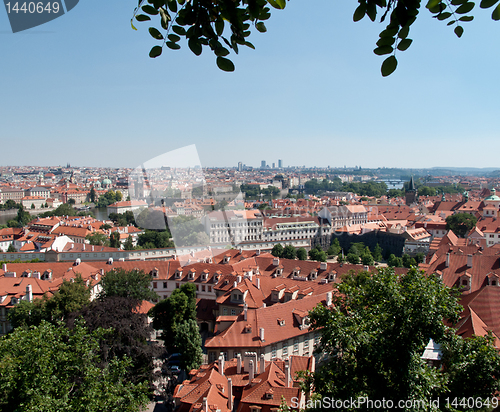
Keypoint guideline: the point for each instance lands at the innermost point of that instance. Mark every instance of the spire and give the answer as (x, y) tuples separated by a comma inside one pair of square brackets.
[(411, 186)]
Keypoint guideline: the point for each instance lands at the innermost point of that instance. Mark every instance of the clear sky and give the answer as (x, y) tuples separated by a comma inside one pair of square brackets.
[(82, 89)]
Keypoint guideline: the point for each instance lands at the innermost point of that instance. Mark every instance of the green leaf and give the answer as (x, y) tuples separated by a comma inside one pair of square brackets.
[(181, 31), (389, 65), (404, 44), (173, 37), (225, 64), (260, 26), (195, 46), (380, 51), (155, 33), (386, 41), (486, 4), (155, 51), (389, 32), (432, 3), (173, 46), (438, 9), (443, 16), (403, 33), (451, 22), (221, 51), (458, 2), (150, 10), (219, 26), (248, 44), (273, 3), (132, 24), (465, 8), (466, 18), (459, 30), (172, 5), (496, 13), (371, 11), (359, 13), (142, 17)]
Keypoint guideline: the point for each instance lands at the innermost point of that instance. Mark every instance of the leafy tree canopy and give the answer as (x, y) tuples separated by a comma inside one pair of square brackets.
[(460, 223), (277, 250), (70, 297), (301, 254), (128, 334), (376, 331), (50, 368), (289, 252), (133, 284)]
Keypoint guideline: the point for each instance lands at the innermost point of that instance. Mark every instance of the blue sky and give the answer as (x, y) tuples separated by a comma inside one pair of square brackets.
[(82, 89)]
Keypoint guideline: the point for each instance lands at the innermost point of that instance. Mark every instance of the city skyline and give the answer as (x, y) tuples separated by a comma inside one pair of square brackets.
[(82, 90)]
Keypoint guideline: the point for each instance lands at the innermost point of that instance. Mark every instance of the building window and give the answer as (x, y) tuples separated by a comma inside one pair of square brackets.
[(177, 286), (224, 311), (210, 288), (203, 288), (284, 349), (274, 350), (233, 312), (164, 285), (155, 285), (296, 345), (316, 338)]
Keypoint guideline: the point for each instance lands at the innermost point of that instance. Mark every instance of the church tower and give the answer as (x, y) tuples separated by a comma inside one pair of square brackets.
[(411, 193)]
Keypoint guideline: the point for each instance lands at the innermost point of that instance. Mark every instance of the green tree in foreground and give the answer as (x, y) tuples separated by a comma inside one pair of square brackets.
[(50, 368), (70, 297), (460, 223), (225, 25), (176, 316), (133, 284), (11, 249), (376, 331), (97, 239)]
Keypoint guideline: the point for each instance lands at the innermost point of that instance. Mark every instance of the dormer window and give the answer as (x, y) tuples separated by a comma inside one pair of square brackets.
[(203, 276), (178, 274), (154, 273), (216, 278), (191, 275), (281, 322), (248, 329), (279, 272), (332, 276), (313, 275)]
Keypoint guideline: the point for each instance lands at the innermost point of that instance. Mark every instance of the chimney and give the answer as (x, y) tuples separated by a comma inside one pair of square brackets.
[(238, 364), (4, 267), (447, 263), (238, 279), (245, 309), (221, 364), (276, 261), (287, 376), (328, 299), (205, 405), (230, 394), (235, 285), (262, 364), (261, 334), (250, 372), (29, 293), (323, 266), (258, 283), (469, 261)]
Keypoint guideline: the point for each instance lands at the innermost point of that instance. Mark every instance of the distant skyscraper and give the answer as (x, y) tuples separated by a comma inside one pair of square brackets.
[(280, 163), (240, 166), (263, 164), (274, 165)]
